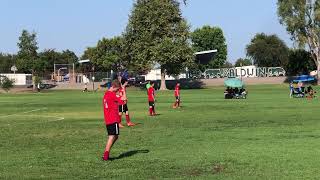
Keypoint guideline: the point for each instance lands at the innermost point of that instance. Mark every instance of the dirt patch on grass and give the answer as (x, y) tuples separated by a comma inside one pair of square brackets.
[(194, 172), (218, 168), (215, 168), (17, 90)]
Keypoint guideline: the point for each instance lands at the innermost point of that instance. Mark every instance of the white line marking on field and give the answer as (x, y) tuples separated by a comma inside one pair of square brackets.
[(58, 118), (55, 118), (26, 112)]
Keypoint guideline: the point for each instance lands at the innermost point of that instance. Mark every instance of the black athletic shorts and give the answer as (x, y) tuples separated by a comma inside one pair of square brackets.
[(113, 129), (123, 108), (151, 103), (178, 98)]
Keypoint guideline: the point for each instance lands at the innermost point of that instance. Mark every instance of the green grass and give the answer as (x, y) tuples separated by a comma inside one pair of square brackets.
[(267, 136)]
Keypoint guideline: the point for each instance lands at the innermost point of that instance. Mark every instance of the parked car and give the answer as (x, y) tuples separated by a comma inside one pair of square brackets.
[(44, 86)]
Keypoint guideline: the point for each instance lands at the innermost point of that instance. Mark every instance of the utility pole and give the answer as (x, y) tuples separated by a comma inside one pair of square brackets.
[(93, 78), (73, 77), (241, 71), (54, 72)]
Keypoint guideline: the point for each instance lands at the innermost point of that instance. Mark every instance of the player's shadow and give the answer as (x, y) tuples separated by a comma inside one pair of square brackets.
[(130, 153)]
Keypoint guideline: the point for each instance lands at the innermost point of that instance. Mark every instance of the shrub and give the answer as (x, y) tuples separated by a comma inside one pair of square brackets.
[(6, 83)]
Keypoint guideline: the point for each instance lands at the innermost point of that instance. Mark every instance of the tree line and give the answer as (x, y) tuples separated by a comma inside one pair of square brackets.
[(157, 34), (30, 60)]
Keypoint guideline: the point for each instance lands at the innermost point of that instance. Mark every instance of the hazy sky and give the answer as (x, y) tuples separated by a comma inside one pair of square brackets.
[(77, 24)]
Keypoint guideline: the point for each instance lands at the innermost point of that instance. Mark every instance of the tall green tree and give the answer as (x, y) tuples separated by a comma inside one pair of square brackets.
[(243, 62), (302, 20), (210, 38), (107, 54), (69, 57), (28, 60), (157, 33), (300, 62), (227, 64), (268, 51), (49, 57)]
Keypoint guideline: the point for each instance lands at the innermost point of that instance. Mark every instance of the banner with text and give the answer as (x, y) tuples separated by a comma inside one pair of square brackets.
[(241, 72)]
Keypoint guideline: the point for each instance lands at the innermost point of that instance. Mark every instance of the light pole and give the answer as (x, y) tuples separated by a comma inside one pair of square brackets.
[(241, 71), (93, 78), (54, 72)]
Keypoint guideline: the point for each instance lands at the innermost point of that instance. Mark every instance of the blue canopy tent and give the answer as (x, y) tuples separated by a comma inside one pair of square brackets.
[(304, 78)]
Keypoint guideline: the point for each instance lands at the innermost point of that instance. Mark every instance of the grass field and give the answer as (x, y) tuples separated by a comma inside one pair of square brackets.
[(61, 135)]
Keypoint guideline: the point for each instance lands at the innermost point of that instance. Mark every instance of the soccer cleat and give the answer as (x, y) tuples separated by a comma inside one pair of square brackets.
[(120, 125)]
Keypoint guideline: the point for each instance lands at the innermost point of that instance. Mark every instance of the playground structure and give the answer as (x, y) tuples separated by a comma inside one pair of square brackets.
[(67, 73), (64, 73)]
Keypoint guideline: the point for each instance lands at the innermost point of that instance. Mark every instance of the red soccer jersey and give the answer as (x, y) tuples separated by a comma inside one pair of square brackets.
[(151, 94), (177, 91), (122, 93), (110, 107)]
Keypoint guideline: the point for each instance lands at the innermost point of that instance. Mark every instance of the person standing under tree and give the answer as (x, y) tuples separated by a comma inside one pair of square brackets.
[(151, 99), (177, 96), (111, 104), (38, 87), (123, 108), (85, 87)]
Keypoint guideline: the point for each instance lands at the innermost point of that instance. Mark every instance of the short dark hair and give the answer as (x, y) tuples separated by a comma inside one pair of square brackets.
[(124, 81), (116, 84), (152, 82)]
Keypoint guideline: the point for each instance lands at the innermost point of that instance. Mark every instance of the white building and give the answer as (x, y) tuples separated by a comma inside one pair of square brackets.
[(200, 57), (155, 74), (20, 79)]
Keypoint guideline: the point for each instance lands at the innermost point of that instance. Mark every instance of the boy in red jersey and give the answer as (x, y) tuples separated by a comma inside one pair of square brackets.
[(124, 107), (111, 104), (151, 100), (177, 95)]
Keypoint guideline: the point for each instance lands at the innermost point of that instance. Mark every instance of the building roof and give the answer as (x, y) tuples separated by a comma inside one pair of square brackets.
[(84, 61), (203, 57)]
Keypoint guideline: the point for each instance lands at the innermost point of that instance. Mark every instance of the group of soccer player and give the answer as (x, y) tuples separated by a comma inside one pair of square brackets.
[(115, 104)]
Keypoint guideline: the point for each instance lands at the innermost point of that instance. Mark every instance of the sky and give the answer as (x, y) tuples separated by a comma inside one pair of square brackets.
[(78, 24)]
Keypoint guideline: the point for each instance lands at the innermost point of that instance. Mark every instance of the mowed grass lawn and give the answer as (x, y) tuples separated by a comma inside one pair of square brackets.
[(61, 135)]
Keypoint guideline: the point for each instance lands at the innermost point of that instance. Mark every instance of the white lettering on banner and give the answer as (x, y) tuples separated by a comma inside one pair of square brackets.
[(246, 71)]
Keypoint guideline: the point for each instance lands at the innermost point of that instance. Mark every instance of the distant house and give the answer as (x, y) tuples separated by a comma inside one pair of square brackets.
[(19, 79), (155, 74)]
